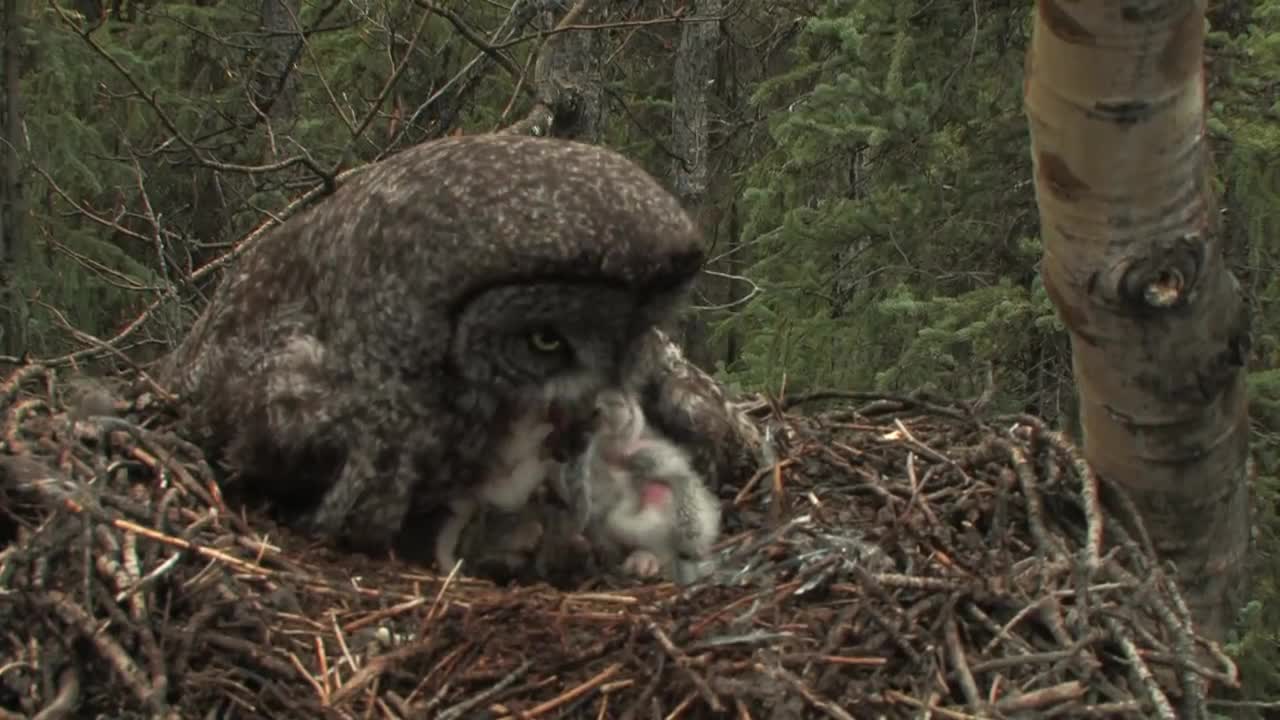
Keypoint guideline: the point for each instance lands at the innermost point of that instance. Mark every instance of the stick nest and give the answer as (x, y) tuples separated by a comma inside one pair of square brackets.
[(894, 558)]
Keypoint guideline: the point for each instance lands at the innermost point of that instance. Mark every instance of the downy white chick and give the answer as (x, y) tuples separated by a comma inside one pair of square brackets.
[(644, 495), (521, 467)]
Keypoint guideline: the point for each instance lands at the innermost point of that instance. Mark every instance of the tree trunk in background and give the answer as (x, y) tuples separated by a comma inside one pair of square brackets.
[(695, 73), (273, 79), (567, 80), (11, 215), (8, 229), (1132, 261), (568, 74)]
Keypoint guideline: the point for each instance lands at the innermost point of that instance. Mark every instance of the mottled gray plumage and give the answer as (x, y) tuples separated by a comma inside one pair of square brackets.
[(644, 494), (374, 351), (691, 409), (519, 468)]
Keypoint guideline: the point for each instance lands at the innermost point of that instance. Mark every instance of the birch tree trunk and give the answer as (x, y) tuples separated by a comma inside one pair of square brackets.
[(1134, 265)]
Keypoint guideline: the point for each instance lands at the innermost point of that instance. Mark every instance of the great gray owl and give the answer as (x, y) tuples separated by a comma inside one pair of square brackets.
[(376, 351)]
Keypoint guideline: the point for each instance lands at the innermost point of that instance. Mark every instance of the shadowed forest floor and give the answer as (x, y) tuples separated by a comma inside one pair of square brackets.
[(899, 555)]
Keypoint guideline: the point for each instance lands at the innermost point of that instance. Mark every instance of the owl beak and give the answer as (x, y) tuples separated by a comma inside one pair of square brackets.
[(570, 424)]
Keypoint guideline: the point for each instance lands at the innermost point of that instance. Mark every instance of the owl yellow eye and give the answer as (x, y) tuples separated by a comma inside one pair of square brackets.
[(545, 341)]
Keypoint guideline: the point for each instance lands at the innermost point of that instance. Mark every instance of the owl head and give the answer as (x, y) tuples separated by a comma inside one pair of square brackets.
[(569, 255), (465, 280), (548, 344)]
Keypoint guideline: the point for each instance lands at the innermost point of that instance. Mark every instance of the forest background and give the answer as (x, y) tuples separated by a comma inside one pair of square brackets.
[(862, 168)]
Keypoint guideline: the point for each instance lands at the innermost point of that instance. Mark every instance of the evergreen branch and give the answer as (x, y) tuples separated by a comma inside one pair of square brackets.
[(672, 19), (305, 45), (106, 273), (650, 134), (205, 270), (225, 259), (257, 117), (266, 34), (153, 102), (473, 37), (292, 60), (391, 81), (220, 262), (464, 77), (541, 114), (85, 211)]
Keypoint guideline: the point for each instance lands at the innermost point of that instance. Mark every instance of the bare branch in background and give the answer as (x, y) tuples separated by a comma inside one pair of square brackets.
[(550, 92)]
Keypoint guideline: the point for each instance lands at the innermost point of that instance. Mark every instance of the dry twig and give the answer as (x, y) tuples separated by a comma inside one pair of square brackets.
[(913, 569)]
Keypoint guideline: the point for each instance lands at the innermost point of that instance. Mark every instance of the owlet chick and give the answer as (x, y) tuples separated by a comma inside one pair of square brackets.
[(521, 465), (644, 494), (375, 354)]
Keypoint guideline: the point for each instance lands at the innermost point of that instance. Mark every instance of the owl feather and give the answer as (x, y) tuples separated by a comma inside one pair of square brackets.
[(370, 356)]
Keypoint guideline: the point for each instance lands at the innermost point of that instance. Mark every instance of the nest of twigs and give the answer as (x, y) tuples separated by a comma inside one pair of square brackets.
[(898, 559)]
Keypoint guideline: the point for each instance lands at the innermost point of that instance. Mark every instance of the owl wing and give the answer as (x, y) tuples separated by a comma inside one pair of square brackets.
[(693, 410)]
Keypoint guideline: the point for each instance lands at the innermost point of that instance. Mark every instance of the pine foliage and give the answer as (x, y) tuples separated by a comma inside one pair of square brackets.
[(892, 221), (147, 107), (1246, 55)]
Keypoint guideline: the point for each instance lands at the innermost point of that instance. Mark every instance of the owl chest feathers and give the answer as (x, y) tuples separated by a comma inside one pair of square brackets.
[(520, 464)]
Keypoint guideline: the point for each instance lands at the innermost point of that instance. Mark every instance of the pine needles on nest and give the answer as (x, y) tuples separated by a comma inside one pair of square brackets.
[(897, 557)]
